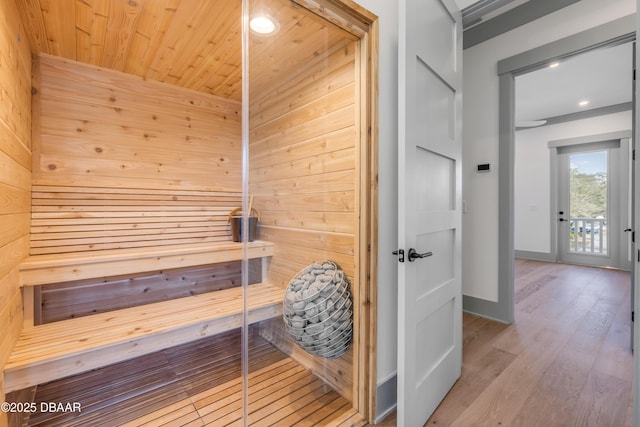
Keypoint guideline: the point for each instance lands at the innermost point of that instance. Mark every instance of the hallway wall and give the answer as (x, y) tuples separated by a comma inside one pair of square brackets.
[(532, 192), (480, 129)]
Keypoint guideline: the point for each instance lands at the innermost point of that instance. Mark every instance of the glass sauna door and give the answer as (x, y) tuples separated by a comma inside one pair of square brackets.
[(301, 131)]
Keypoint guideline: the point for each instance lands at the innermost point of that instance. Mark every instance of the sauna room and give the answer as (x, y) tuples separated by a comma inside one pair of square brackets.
[(187, 204)]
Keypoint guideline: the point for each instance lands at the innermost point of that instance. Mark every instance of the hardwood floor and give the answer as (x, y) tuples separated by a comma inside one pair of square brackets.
[(566, 361), (196, 384)]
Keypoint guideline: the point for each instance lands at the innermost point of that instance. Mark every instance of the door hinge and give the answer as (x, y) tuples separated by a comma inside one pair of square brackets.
[(633, 316), (400, 253), (633, 154), (633, 237)]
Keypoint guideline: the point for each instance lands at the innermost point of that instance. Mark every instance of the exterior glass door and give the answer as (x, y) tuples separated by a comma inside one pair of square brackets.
[(592, 207), (588, 203)]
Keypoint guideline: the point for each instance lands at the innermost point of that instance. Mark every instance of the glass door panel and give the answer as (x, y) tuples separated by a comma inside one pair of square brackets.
[(303, 145), (588, 203), (593, 204)]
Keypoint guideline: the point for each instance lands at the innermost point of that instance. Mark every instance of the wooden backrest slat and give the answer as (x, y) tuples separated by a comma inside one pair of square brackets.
[(78, 219)]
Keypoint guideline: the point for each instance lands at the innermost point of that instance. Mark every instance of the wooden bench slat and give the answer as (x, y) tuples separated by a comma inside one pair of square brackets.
[(104, 328), (57, 268), (59, 349), (112, 322)]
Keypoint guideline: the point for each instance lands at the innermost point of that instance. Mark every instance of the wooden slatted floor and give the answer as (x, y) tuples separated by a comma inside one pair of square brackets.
[(197, 384)]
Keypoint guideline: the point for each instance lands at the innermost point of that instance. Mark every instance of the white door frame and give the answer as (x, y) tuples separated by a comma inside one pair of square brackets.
[(619, 251), (636, 220)]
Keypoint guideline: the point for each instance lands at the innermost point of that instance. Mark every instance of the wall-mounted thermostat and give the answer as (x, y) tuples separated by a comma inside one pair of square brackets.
[(485, 167)]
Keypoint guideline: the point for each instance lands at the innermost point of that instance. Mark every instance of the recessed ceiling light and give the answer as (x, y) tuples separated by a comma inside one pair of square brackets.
[(583, 103), (263, 25), (554, 65)]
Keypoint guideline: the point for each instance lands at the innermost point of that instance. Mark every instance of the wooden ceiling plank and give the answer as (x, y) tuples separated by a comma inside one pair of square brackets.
[(229, 84), (151, 28), (300, 46), (193, 44), (60, 23), (177, 37), (216, 66), (212, 36), (227, 78), (84, 22), (31, 15), (99, 31), (91, 29), (121, 26)]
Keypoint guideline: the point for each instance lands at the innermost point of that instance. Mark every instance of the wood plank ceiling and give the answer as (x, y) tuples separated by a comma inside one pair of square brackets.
[(194, 44)]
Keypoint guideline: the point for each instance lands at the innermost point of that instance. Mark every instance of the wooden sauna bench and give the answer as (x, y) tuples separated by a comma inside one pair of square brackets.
[(59, 349)]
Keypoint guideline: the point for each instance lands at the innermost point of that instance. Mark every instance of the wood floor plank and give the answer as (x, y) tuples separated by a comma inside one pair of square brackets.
[(314, 391), (156, 417), (302, 416), (324, 415), (192, 385), (603, 401), (614, 356), (566, 361), (261, 406), (349, 418)]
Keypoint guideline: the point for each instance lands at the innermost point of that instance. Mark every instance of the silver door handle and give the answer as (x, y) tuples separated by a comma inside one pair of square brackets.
[(413, 255)]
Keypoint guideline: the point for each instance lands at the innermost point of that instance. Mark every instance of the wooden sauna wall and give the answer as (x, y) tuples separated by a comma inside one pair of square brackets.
[(304, 179), (121, 162), (15, 173), (86, 297), (124, 162)]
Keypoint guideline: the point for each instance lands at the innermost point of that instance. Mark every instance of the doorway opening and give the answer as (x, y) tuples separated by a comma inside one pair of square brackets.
[(572, 159), (614, 33)]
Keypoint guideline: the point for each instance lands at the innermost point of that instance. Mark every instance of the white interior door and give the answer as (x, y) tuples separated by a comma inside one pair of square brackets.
[(429, 217)]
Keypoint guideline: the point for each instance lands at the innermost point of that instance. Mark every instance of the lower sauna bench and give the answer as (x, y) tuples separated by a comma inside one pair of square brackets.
[(59, 349)]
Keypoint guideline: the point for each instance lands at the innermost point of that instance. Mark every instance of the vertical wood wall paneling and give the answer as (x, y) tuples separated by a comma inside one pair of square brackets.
[(15, 171), (303, 176)]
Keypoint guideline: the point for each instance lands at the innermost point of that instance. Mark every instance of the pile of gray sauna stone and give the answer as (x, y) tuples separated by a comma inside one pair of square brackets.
[(318, 310)]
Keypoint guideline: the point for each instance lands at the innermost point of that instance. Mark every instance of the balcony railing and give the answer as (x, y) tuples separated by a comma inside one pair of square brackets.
[(588, 236)]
